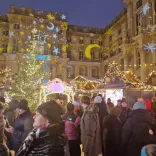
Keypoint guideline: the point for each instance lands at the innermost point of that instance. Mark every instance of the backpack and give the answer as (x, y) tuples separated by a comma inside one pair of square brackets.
[(143, 134)]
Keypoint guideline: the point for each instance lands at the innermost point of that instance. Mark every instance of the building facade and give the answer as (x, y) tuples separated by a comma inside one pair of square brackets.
[(125, 40)]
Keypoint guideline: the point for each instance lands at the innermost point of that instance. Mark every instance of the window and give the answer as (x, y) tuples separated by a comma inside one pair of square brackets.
[(138, 60), (119, 31), (15, 45), (138, 22), (3, 66), (139, 4), (110, 38), (100, 56), (16, 26), (80, 55), (93, 55), (69, 54), (91, 42), (153, 81), (68, 39), (5, 33), (81, 41), (100, 43), (5, 48)]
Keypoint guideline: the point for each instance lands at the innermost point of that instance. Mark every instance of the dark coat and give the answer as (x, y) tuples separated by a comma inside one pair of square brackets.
[(112, 135), (44, 142), (22, 127), (1, 129), (130, 145), (124, 114)]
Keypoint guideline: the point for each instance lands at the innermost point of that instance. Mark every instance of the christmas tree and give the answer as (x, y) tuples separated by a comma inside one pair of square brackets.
[(32, 72)]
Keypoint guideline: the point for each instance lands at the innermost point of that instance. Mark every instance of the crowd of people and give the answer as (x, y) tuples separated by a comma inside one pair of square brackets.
[(99, 127)]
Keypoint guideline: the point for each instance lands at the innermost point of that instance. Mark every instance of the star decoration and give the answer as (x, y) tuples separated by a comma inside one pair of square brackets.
[(21, 33), (57, 29), (145, 9), (29, 37), (64, 26), (42, 26), (63, 17), (11, 34), (56, 51), (109, 32), (50, 17), (34, 22), (150, 47), (41, 20), (150, 29), (54, 36)]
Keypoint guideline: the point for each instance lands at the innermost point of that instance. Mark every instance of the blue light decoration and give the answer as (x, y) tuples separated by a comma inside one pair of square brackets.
[(34, 22), (56, 51), (44, 57), (57, 29), (11, 34), (52, 26), (54, 36), (41, 37), (150, 29), (45, 81), (150, 47), (63, 17), (41, 20), (29, 37), (145, 9)]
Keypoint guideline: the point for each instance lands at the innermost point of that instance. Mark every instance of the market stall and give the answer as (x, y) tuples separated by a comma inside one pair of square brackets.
[(56, 86), (119, 83)]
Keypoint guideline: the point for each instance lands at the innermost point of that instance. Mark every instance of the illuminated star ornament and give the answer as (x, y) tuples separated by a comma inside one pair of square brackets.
[(54, 36), (34, 22), (145, 9), (29, 37), (11, 34), (56, 51), (50, 17), (63, 17), (57, 29), (150, 29), (150, 47)]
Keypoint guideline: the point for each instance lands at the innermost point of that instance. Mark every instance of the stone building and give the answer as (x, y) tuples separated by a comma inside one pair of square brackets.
[(123, 40)]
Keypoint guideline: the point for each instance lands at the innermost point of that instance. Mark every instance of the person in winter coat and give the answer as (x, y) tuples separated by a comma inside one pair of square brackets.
[(1, 124), (109, 104), (23, 125), (149, 150), (72, 129), (10, 112), (102, 114), (47, 138), (112, 133), (90, 128), (136, 131), (125, 110)]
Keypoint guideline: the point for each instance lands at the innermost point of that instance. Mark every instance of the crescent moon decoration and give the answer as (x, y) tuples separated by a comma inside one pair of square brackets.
[(52, 26), (88, 50)]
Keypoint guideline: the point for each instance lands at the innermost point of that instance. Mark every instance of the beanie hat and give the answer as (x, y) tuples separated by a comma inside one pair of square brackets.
[(51, 111), (98, 99), (139, 105), (23, 104), (70, 107), (114, 111), (148, 104), (75, 103)]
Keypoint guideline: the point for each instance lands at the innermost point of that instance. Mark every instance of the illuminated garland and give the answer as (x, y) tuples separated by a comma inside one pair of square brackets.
[(152, 73)]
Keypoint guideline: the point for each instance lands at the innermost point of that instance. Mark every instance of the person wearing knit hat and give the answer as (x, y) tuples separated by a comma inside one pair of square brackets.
[(136, 130), (22, 126), (47, 137), (139, 105), (112, 131)]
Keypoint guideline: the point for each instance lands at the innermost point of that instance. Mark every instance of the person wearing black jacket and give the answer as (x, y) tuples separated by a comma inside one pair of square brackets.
[(23, 125), (136, 131), (47, 138), (112, 133)]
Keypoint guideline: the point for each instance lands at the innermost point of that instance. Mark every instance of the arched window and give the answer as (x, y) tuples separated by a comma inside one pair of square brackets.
[(122, 64), (83, 71), (95, 72)]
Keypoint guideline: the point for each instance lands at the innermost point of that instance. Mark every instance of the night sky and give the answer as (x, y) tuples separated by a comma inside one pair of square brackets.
[(92, 13)]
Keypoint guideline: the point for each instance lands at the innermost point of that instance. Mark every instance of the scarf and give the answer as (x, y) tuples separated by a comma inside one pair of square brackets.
[(32, 136)]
